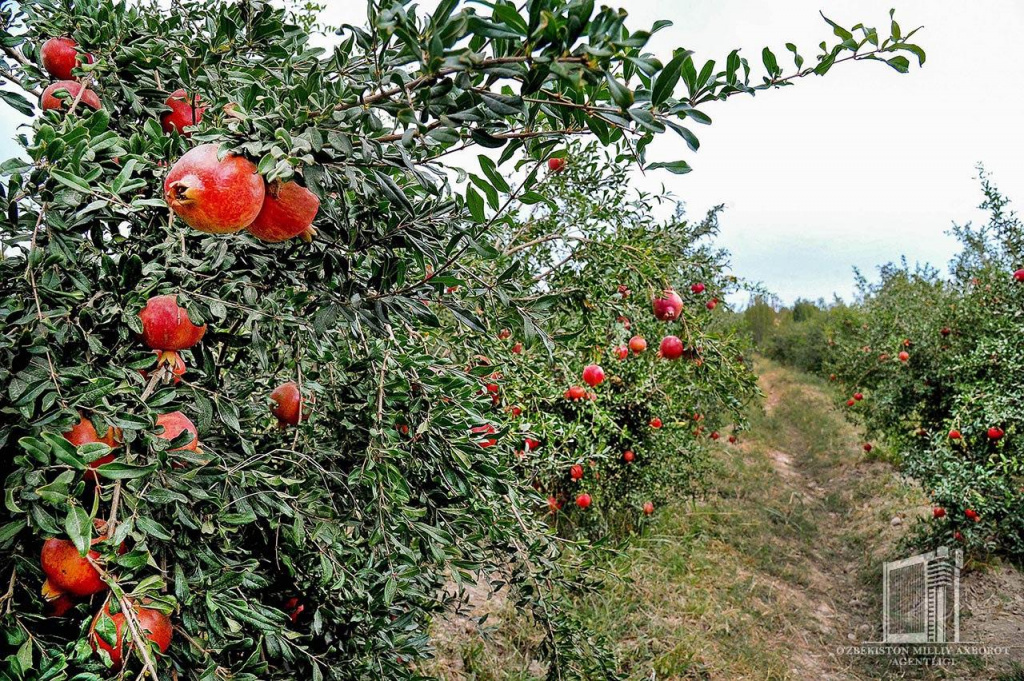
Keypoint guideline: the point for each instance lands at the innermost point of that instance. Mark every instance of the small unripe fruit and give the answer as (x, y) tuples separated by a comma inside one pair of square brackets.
[(667, 307), (583, 500), (59, 57), (50, 102), (946, 331), (593, 375), (213, 195), (671, 347), (732, 439)]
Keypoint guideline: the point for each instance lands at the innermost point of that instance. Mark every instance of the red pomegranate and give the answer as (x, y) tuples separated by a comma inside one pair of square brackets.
[(938, 512), (972, 515), (286, 404), (174, 424), (621, 351), (671, 347), (59, 57), (628, 456), (850, 403), (184, 112), (668, 306), (531, 444), (715, 435), (486, 429), (67, 571), (904, 357), (288, 211), (697, 288), (868, 447), (637, 344), (583, 500), (648, 508), (575, 393), (576, 472), (556, 165), (155, 625), (732, 439), (858, 396), (945, 331), (517, 348), (83, 433), (504, 334), (213, 195), (554, 505), (995, 433), (1018, 276), (166, 326), (655, 422), (954, 434), (711, 304), (50, 102), (593, 375)]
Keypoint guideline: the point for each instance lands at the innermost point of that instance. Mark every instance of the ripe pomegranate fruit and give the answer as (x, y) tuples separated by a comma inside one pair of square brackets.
[(711, 304), (486, 429), (946, 331), (184, 112), (166, 326), (84, 432), (938, 512), (593, 375), (59, 606), (155, 625), (868, 447), (531, 444), (575, 393), (50, 102), (732, 439), (954, 434), (958, 536), (624, 291), (67, 571), (504, 334), (294, 607), (972, 515), (621, 351), (637, 344), (715, 435), (287, 404), (1018, 276), (668, 307), (697, 288), (850, 403), (556, 165), (648, 508), (628, 456), (59, 57), (858, 396), (671, 347), (655, 422), (212, 195), (517, 348), (904, 357), (583, 500), (288, 211), (174, 424), (995, 433), (554, 505), (626, 324), (576, 472), (515, 410)]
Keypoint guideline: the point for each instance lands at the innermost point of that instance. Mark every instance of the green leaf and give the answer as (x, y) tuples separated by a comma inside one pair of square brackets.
[(676, 167), (71, 180), (78, 526), (64, 451), (901, 64), (771, 64), (621, 94), (17, 102), (116, 470), (665, 83)]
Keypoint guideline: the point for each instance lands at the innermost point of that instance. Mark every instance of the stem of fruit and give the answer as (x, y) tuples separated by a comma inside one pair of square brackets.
[(78, 98)]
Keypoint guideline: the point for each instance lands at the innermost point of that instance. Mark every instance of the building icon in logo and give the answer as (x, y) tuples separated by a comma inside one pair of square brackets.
[(921, 598)]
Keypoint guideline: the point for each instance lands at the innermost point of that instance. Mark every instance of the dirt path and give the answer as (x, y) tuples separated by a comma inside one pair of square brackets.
[(771, 574)]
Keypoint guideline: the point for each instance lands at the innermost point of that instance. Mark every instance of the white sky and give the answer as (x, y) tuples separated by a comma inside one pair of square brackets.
[(853, 169)]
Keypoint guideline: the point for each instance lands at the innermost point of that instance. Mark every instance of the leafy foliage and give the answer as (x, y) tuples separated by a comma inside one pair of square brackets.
[(325, 550)]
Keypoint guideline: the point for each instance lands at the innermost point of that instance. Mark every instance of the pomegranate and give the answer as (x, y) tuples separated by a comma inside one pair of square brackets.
[(50, 102), (904, 357), (84, 432), (711, 304), (655, 422), (504, 334), (671, 347), (938, 512), (623, 291), (575, 393), (1018, 276), (583, 500), (868, 447), (554, 505), (288, 211), (286, 404), (294, 607), (621, 351), (850, 403), (972, 515), (576, 472), (166, 326), (486, 429), (628, 456), (715, 435), (517, 348), (153, 623), (212, 195), (531, 444), (954, 434), (697, 288), (67, 571), (174, 424), (668, 307), (59, 57), (556, 165), (184, 112), (637, 344), (593, 375), (648, 508), (59, 606), (732, 439), (858, 396), (995, 433), (945, 331)]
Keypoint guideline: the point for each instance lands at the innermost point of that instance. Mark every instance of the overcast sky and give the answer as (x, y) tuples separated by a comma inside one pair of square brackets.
[(851, 170)]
